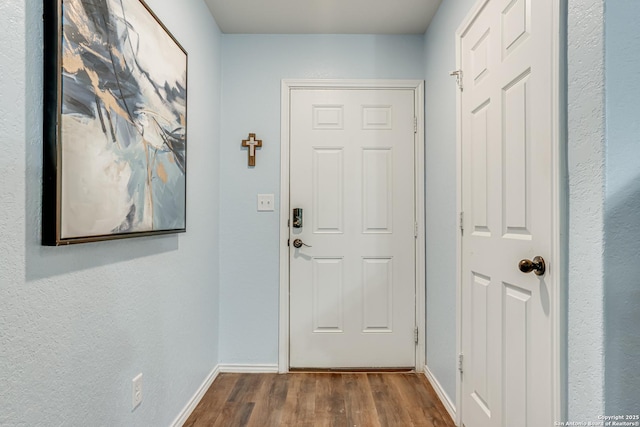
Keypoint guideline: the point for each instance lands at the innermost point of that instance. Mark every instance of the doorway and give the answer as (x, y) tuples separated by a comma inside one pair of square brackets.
[(352, 258)]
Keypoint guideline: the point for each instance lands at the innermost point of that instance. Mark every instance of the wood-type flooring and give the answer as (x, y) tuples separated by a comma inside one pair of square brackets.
[(320, 399)]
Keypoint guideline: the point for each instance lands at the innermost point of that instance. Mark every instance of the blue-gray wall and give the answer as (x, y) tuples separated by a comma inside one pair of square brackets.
[(253, 67), (622, 212), (585, 166), (441, 213), (78, 323)]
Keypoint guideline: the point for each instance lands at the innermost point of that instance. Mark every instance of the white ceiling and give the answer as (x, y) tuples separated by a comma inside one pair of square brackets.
[(323, 16)]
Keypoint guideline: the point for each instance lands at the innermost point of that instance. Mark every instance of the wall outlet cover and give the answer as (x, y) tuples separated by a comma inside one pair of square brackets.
[(136, 391)]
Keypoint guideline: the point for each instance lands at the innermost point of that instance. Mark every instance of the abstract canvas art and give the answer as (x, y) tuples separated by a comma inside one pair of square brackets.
[(115, 123)]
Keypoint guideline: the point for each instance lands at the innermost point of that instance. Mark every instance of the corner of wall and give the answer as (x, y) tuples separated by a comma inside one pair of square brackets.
[(441, 206), (622, 209), (586, 168)]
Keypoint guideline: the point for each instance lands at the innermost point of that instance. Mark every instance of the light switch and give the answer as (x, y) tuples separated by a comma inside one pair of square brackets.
[(265, 202)]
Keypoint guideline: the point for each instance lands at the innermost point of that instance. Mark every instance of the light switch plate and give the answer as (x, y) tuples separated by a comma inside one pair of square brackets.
[(266, 202)]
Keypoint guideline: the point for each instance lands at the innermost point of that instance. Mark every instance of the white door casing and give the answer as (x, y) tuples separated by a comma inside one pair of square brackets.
[(509, 174), (346, 163)]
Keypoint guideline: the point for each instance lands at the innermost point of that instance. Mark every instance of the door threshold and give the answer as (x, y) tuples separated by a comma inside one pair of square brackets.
[(352, 370)]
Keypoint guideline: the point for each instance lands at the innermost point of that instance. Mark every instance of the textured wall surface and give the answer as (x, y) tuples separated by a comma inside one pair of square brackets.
[(622, 213), (442, 218), (253, 67), (586, 133), (78, 323)]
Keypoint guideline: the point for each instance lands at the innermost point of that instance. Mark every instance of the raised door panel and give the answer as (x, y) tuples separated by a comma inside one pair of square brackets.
[(480, 58), (328, 190), (516, 25), (480, 345), (377, 190), (479, 164), (328, 315), (377, 117), (516, 140), (516, 324), (377, 295), (328, 117)]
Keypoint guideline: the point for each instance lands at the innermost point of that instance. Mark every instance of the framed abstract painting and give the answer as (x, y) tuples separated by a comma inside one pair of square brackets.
[(115, 123)]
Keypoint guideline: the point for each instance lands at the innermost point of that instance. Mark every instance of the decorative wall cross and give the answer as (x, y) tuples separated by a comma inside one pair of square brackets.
[(252, 143)]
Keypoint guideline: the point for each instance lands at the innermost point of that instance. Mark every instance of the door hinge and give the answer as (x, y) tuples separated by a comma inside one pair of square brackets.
[(415, 335), (460, 363), (458, 74), (288, 223), (415, 230), (462, 222), (415, 125), (288, 242)]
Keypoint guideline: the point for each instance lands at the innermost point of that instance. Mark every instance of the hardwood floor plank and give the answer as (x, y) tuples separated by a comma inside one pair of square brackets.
[(429, 399), (330, 396), (234, 414), (359, 404), (270, 402), (389, 405), (300, 404), (246, 388), (212, 402), (420, 412), (241, 401)]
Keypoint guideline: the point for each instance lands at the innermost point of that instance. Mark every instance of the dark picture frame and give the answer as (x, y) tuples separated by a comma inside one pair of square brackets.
[(115, 123)]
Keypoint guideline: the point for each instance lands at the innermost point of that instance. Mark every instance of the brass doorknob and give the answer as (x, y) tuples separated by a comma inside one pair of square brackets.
[(537, 266)]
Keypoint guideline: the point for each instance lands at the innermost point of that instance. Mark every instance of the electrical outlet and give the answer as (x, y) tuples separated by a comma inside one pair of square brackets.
[(136, 391), (265, 202)]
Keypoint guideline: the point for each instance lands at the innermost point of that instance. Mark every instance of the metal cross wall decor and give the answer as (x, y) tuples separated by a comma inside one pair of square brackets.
[(252, 143)]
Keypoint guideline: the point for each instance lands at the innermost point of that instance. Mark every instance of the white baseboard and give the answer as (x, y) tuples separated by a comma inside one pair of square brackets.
[(444, 397), (196, 398), (231, 367), (249, 368)]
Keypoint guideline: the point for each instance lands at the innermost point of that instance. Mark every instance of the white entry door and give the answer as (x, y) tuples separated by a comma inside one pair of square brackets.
[(508, 137), (352, 289)]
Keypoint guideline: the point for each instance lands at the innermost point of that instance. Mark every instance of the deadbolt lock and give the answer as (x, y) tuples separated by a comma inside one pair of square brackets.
[(297, 218)]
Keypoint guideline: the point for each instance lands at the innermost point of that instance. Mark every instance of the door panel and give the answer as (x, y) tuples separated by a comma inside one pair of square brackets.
[(479, 171), (328, 313), (328, 190), (515, 143), (377, 190), (480, 349), (352, 290), (377, 294), (507, 137), (516, 325)]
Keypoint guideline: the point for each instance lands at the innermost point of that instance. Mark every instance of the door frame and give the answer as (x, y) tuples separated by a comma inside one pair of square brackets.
[(419, 199), (559, 245)]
